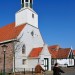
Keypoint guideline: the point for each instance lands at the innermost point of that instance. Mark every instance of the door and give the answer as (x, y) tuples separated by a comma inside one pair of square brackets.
[(46, 63), (74, 62)]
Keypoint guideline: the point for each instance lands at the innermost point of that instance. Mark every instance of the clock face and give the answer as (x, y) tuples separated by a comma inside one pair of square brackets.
[(32, 33)]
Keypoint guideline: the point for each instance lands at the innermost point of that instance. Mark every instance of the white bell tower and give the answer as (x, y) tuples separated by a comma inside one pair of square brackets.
[(26, 3), (26, 14)]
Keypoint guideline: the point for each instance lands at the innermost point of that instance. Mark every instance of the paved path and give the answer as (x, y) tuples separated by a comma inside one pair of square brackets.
[(68, 71)]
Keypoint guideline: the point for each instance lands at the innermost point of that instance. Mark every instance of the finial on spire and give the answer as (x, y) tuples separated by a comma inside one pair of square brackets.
[(26, 3)]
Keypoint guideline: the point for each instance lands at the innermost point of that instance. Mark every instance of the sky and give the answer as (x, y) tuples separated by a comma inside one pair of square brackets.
[(56, 19)]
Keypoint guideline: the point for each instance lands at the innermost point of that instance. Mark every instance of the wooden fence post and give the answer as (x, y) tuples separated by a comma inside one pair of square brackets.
[(24, 71)]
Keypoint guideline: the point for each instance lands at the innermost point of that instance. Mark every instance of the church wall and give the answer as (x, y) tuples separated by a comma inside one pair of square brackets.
[(29, 41), (25, 16), (42, 61), (45, 54), (32, 62)]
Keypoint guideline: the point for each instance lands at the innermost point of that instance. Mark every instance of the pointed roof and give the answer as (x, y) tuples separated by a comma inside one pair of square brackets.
[(58, 52), (35, 52), (9, 31)]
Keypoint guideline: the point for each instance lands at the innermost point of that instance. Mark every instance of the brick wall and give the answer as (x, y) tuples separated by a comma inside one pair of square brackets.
[(8, 58)]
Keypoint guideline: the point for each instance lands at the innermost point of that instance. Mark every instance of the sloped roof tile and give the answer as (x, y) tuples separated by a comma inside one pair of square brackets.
[(35, 52), (54, 50), (63, 52), (9, 31), (59, 52)]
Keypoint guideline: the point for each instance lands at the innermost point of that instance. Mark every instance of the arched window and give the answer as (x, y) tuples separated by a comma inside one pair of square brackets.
[(23, 49), (24, 61)]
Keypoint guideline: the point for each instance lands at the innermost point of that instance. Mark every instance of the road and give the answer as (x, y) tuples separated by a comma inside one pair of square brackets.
[(68, 71)]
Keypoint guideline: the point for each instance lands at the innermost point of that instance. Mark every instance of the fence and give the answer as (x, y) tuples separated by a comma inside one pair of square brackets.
[(25, 71), (19, 71)]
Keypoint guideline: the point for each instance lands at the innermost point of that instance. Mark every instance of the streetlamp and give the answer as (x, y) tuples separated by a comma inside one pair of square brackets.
[(4, 50)]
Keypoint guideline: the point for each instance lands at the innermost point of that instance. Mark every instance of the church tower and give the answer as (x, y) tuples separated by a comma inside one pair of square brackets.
[(26, 14), (26, 3)]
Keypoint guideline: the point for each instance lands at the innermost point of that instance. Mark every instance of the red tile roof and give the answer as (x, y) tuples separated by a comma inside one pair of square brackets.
[(59, 52), (35, 52), (54, 47), (9, 31), (74, 52), (63, 53), (54, 50), (53, 53)]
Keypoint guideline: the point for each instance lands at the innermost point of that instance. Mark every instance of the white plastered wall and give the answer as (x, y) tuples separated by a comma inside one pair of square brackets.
[(25, 16), (30, 42), (64, 62), (45, 54)]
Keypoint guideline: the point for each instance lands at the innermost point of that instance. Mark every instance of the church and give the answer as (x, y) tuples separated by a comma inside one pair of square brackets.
[(25, 45)]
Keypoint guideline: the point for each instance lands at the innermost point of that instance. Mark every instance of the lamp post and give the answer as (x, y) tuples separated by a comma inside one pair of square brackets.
[(4, 50)]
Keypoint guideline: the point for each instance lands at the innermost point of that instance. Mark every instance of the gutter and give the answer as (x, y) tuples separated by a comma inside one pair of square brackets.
[(7, 41)]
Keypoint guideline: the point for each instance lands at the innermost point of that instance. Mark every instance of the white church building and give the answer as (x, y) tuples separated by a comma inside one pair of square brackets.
[(26, 47)]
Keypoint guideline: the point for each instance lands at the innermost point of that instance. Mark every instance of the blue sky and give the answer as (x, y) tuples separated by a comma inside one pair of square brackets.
[(56, 19)]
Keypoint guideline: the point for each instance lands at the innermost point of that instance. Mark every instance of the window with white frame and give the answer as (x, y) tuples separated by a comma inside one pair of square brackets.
[(24, 61)]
